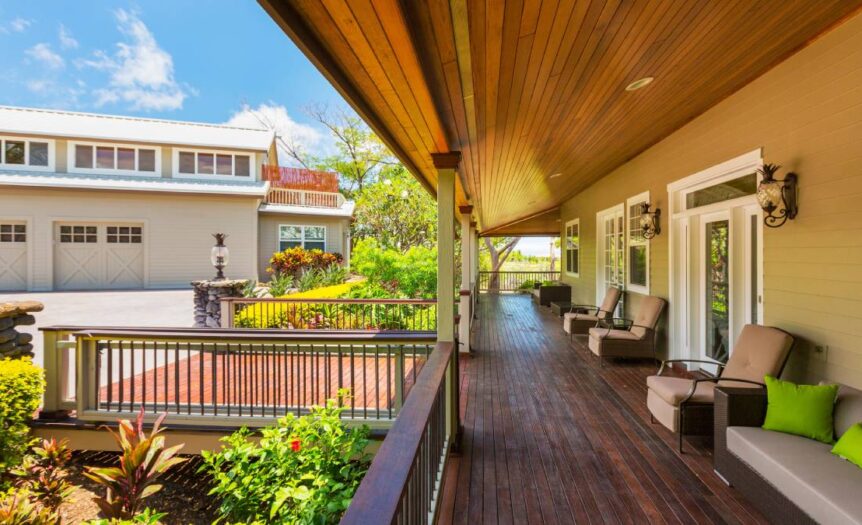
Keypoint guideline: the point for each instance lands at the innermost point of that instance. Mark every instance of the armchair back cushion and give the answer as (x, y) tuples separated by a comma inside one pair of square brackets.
[(759, 351), (848, 408), (609, 304), (648, 315)]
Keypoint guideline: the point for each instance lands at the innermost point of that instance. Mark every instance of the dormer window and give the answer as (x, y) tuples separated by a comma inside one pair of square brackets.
[(26, 154), (113, 159), (212, 164)]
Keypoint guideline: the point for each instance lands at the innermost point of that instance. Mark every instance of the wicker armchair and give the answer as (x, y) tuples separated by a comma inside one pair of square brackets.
[(582, 317), (635, 338), (685, 405)]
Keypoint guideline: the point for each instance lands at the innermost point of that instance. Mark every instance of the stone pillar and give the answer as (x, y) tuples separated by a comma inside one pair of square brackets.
[(447, 165), (208, 296), (13, 314), (466, 284)]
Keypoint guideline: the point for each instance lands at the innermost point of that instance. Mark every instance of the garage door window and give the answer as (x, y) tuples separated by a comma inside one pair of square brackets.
[(124, 234), (13, 233), (78, 234)]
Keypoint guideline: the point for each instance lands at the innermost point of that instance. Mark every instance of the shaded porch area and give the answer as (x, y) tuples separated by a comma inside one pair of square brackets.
[(550, 437)]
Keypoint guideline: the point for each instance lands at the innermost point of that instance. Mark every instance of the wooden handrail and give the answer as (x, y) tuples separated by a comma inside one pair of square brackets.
[(379, 497), (250, 334), (252, 300)]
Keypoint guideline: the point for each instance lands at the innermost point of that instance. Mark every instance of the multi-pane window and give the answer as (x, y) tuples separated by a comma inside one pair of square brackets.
[(110, 158), (78, 234), (308, 237), (124, 234), (219, 164), (13, 233), (638, 246), (18, 153), (572, 246)]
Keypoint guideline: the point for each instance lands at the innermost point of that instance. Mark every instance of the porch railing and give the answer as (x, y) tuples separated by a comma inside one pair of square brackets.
[(314, 199), (404, 481), (202, 377), (511, 281), (330, 314)]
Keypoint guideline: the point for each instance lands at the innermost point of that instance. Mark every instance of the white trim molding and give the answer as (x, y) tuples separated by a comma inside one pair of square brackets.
[(52, 152), (71, 157), (252, 164)]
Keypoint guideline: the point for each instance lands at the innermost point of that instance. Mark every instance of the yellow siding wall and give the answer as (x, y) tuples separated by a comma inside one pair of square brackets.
[(336, 228), (806, 114)]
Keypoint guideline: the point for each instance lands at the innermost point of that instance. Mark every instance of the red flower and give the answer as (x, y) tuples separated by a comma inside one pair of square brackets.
[(294, 445)]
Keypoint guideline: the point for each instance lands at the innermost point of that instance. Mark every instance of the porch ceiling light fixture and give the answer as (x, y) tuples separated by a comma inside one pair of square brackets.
[(639, 83), (219, 256), (777, 197), (650, 221)]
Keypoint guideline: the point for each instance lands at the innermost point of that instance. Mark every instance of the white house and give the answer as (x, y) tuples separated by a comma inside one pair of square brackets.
[(93, 201)]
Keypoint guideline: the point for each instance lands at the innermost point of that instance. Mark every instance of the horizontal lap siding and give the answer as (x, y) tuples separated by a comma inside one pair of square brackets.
[(178, 229), (806, 114)]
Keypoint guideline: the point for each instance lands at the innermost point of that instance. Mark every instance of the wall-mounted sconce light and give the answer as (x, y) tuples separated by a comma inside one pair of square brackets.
[(650, 221), (219, 256), (777, 197)]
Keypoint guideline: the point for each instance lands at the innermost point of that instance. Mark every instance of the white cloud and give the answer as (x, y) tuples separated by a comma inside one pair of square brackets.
[(43, 53), (142, 73), (19, 25), (274, 116), (67, 41)]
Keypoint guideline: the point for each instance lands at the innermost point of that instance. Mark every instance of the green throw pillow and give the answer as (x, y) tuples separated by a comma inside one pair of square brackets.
[(849, 446), (804, 410)]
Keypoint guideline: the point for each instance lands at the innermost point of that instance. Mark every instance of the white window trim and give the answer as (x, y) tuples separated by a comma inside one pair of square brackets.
[(302, 239), (565, 246), (70, 155), (26, 166), (638, 288), (252, 173)]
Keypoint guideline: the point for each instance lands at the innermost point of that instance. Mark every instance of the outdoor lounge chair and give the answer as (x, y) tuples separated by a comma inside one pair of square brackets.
[(635, 338), (582, 317), (685, 405)]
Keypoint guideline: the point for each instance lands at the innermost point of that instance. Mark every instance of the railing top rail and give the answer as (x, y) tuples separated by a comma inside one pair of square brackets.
[(378, 496), (330, 301), (319, 192), (521, 271), (249, 335)]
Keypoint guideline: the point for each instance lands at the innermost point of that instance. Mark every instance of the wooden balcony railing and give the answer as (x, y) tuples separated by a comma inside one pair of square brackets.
[(313, 199), (300, 178), (404, 481), (415, 315), (511, 281), (217, 378)]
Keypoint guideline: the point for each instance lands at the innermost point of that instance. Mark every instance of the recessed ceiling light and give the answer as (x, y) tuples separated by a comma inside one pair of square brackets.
[(554, 176), (637, 84)]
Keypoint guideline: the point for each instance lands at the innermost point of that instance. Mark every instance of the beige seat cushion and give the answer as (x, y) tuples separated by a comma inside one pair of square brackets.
[(582, 321), (823, 485), (674, 389), (604, 333)]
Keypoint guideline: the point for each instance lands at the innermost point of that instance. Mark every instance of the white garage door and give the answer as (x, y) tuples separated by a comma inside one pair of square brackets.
[(93, 256), (13, 256)]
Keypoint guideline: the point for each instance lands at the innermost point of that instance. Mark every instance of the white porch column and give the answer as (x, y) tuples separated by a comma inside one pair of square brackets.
[(464, 302), (447, 166), (474, 258)]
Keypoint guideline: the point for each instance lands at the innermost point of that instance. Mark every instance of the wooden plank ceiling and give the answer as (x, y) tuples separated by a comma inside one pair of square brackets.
[(527, 89)]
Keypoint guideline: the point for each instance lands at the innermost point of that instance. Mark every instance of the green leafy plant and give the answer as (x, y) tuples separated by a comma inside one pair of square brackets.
[(304, 469), (21, 387), (411, 274), (19, 507), (310, 280), (42, 473), (280, 284), (250, 290), (143, 459), (146, 517), (332, 275)]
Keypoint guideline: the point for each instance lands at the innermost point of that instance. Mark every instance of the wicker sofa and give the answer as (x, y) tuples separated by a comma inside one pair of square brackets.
[(791, 479)]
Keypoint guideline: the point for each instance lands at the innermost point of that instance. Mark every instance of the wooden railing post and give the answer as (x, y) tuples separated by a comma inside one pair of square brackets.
[(399, 378), (86, 381), (51, 361), (227, 312)]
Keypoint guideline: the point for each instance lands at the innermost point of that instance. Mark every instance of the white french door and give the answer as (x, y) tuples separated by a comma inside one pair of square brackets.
[(611, 249)]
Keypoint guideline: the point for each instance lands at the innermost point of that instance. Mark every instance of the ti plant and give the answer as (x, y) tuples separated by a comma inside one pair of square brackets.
[(19, 507), (42, 474), (143, 459)]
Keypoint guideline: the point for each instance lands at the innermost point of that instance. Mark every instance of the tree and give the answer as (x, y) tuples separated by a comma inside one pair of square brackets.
[(396, 211), (499, 249)]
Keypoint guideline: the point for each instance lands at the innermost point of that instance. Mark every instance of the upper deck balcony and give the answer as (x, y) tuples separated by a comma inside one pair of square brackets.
[(302, 187)]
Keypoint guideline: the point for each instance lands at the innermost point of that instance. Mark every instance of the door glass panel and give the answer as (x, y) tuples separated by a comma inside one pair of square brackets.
[(717, 290), (725, 191)]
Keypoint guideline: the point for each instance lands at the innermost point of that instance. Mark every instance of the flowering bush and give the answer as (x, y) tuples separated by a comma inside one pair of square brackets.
[(283, 315), (304, 469), (297, 260), (21, 387)]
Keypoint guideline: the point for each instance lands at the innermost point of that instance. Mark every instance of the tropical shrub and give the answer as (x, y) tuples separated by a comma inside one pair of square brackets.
[(21, 387), (410, 274), (280, 284), (309, 280), (304, 469), (19, 507), (42, 474), (297, 260), (250, 290), (333, 275), (146, 517), (144, 458), (289, 315)]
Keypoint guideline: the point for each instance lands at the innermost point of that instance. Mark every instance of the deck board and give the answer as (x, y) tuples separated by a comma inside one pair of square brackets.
[(551, 437)]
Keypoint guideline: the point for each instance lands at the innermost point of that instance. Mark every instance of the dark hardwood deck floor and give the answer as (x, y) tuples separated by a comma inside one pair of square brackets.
[(550, 437)]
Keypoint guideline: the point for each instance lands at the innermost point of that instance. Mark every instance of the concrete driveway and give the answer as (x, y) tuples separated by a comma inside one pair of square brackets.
[(173, 308)]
